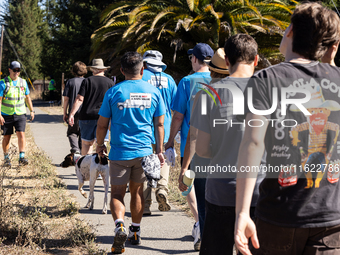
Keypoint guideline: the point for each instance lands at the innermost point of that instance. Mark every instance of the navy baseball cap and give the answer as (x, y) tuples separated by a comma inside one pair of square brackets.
[(14, 64), (201, 51)]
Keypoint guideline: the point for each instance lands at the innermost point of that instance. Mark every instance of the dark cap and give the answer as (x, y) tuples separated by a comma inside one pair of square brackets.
[(14, 64), (201, 51)]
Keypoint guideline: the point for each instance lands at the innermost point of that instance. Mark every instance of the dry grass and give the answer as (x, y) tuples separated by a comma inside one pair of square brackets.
[(37, 215)]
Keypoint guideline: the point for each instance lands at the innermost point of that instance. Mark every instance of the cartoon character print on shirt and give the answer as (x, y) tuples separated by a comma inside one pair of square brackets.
[(321, 136)]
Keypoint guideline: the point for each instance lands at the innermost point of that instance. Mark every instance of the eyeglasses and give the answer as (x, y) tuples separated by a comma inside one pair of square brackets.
[(16, 70), (190, 57)]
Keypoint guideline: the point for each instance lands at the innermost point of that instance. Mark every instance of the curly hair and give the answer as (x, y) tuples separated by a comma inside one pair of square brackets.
[(315, 29)]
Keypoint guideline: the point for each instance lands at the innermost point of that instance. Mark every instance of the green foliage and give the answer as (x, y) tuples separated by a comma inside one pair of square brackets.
[(71, 23), (23, 23), (177, 25)]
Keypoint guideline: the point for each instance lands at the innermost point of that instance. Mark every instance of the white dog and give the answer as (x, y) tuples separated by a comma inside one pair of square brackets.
[(88, 168)]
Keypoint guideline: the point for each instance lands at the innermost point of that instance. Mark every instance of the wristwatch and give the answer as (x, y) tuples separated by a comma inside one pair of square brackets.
[(33, 111)]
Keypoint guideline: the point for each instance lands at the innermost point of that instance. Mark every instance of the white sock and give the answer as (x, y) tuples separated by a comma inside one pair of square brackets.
[(119, 220), (197, 223), (135, 224)]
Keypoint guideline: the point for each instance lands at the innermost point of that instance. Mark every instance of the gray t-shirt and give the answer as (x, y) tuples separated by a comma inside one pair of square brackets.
[(71, 91), (225, 139)]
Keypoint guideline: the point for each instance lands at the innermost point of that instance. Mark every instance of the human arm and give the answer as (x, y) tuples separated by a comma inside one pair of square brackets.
[(177, 120), (79, 101), (159, 136), (30, 106), (250, 154), (203, 144), (189, 152), (66, 100), (102, 127)]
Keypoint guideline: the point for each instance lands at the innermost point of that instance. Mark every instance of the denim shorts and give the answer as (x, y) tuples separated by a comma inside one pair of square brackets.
[(88, 129)]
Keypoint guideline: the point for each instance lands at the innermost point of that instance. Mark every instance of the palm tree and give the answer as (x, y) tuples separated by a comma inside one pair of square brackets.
[(141, 25)]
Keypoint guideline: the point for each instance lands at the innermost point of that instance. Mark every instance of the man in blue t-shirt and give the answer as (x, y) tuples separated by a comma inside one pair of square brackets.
[(135, 108), (153, 74), (187, 88)]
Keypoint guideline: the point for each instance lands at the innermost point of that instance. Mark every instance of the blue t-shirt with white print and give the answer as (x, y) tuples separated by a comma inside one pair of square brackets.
[(132, 105), (167, 86), (186, 90), (15, 83)]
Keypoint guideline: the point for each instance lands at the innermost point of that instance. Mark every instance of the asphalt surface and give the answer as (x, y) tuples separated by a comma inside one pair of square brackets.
[(161, 233)]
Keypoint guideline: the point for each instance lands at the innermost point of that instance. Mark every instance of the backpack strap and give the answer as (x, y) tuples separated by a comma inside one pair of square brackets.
[(7, 86)]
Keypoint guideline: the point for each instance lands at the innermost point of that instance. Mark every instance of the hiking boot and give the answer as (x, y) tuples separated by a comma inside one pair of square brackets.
[(7, 162), (196, 234), (118, 245), (134, 235), (162, 199), (23, 161)]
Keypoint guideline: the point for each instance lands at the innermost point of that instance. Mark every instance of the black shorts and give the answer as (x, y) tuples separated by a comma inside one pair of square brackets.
[(17, 121)]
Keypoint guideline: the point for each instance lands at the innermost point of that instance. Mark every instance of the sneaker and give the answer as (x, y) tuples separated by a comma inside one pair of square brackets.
[(23, 161), (7, 162), (99, 177), (162, 199), (196, 234), (147, 211), (134, 236), (118, 245)]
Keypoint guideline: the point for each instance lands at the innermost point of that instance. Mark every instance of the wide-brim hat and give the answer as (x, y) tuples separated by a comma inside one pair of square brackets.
[(154, 58), (317, 101), (98, 63), (217, 63)]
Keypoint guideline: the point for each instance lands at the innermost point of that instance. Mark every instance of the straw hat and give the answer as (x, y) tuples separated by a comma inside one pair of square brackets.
[(98, 63), (217, 63)]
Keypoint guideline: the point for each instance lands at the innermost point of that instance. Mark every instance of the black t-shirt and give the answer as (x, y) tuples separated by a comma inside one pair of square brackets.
[(302, 191), (93, 90), (71, 91)]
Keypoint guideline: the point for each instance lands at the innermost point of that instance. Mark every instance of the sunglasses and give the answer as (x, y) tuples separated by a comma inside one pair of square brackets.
[(190, 57), (16, 70)]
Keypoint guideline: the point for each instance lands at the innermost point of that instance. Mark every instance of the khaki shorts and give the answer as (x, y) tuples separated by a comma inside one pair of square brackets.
[(123, 171)]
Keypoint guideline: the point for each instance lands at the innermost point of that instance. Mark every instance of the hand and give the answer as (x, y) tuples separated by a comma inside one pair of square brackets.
[(65, 117), (181, 186), (71, 120), (101, 150), (32, 116), (169, 144), (2, 120), (161, 158), (245, 229)]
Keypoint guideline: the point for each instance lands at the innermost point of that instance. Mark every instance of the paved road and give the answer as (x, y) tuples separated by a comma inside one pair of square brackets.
[(162, 232)]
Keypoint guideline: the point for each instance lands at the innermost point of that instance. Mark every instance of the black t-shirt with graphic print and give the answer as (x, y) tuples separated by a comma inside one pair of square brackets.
[(302, 184), (93, 90)]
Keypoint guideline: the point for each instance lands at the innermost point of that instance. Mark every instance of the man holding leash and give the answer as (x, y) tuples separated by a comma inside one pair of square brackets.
[(14, 93), (135, 108)]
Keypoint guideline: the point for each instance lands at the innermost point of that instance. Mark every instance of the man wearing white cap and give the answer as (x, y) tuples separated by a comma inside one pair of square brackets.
[(154, 74), (14, 93), (90, 97)]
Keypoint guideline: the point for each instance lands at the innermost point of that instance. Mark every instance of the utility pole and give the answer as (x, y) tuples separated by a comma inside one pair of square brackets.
[(1, 46)]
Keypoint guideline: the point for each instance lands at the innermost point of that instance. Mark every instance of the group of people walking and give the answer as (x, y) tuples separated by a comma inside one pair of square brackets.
[(264, 146)]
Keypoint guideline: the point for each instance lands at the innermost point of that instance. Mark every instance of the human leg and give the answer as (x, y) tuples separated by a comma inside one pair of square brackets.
[(137, 201), (221, 241), (147, 198), (88, 135), (73, 134), (162, 189)]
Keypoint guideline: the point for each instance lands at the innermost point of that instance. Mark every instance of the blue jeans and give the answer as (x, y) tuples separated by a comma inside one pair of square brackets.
[(88, 129)]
